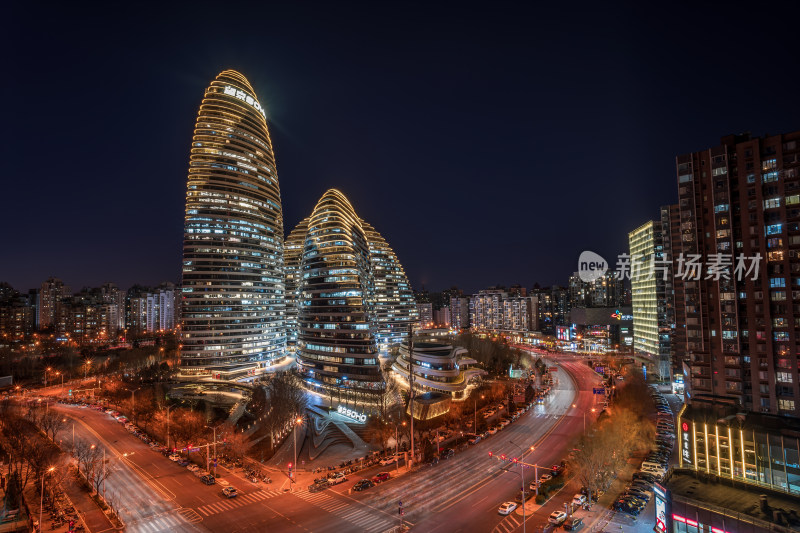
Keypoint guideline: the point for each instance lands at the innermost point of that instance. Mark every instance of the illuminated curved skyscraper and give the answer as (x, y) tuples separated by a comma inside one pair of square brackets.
[(233, 281), (352, 294), (395, 307), (293, 247)]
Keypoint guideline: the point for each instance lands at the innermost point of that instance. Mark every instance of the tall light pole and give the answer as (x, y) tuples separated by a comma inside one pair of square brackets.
[(41, 498), (297, 422), (522, 480), (411, 386), (46, 370), (133, 399), (475, 429), (168, 408)]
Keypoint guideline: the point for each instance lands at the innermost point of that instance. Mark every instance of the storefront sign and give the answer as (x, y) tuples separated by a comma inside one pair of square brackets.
[(349, 413)]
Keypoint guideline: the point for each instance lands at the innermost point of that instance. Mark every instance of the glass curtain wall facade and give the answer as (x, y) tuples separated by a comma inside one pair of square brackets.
[(233, 281)]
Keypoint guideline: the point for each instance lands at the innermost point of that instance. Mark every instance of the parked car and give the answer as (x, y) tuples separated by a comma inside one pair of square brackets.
[(573, 524), (544, 478), (507, 508), (383, 476), (363, 484), (174, 457), (448, 453), (208, 480), (389, 460), (474, 439), (557, 518), (192, 468), (229, 492), (578, 500)]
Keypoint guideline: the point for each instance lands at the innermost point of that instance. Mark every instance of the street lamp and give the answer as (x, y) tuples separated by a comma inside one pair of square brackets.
[(133, 400), (475, 429), (297, 422), (522, 480), (46, 370), (41, 499), (168, 408)]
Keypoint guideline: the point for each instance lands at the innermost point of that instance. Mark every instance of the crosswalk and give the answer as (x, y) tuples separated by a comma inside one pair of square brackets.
[(238, 501), (509, 524), (368, 520), (157, 524)]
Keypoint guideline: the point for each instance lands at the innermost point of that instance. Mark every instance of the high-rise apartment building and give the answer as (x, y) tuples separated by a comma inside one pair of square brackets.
[(233, 276), (459, 312), (53, 291), (425, 312), (739, 294), (497, 310), (605, 291)]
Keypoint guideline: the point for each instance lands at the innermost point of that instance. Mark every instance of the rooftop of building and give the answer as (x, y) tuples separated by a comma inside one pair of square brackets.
[(734, 496)]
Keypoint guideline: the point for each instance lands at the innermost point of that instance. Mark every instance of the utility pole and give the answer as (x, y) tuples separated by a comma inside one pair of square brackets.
[(411, 385)]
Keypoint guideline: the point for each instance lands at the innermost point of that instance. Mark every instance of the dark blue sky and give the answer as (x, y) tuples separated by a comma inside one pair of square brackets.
[(490, 143)]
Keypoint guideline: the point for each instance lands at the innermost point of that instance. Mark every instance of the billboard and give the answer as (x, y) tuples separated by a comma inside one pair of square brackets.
[(563, 333), (602, 316), (663, 509)]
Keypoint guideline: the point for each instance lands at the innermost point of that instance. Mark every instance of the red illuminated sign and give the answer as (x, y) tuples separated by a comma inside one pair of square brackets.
[(685, 426)]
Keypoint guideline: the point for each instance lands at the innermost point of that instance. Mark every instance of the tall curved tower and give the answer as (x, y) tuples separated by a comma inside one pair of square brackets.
[(336, 345), (395, 307), (233, 282), (293, 248)]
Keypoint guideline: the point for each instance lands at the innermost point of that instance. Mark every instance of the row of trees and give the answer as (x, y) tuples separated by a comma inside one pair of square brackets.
[(496, 355), (614, 438), (28, 452), (277, 405)]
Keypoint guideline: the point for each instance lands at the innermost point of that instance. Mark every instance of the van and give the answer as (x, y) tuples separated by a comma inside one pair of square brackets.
[(648, 465)]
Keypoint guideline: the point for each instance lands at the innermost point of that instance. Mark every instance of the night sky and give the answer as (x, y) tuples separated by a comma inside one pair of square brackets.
[(489, 143)]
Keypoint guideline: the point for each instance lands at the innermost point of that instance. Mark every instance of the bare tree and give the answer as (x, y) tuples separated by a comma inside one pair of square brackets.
[(51, 423)]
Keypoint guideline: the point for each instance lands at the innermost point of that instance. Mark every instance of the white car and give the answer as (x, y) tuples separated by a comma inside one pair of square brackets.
[(229, 492), (389, 460), (192, 468), (557, 518), (545, 478), (337, 478), (578, 500), (507, 508), (175, 457)]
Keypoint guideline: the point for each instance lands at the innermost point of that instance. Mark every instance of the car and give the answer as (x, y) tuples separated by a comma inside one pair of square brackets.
[(544, 478), (201, 473), (433, 461), (183, 462), (647, 476), (492, 430), (579, 499), (383, 476), (192, 468), (507, 508), (388, 460), (363, 484), (318, 485), (637, 494), (336, 478), (557, 518), (174, 457), (504, 422), (208, 479), (573, 524), (475, 439), (229, 492), (527, 495), (448, 453)]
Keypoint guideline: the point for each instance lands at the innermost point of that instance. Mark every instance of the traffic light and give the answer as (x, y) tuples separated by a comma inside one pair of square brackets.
[(490, 454), (503, 457), (290, 468)]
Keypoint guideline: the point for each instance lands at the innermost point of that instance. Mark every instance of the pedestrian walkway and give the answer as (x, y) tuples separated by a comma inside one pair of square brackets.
[(170, 521), (363, 519), (239, 501), (509, 524)]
